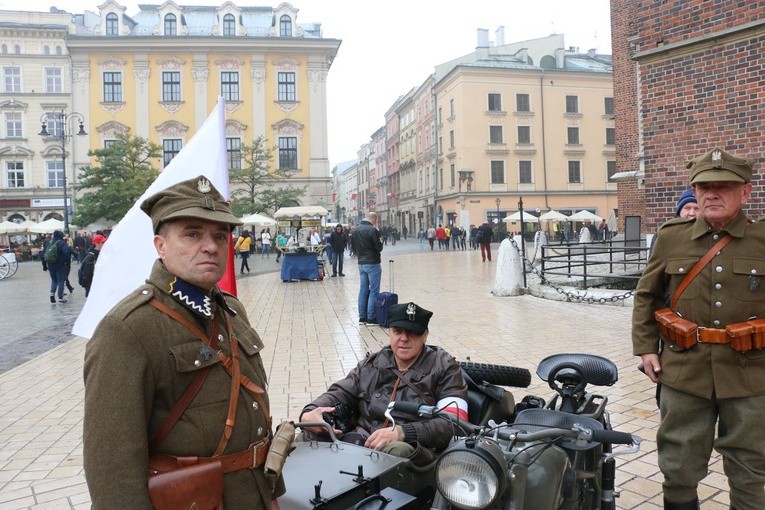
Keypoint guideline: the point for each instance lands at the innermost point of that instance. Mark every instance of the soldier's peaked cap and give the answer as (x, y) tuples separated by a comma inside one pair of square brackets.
[(409, 316), (718, 165), (194, 198)]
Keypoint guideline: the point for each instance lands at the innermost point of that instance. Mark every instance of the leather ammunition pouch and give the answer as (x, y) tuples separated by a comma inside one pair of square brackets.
[(281, 446), (677, 330), (198, 486), (742, 336)]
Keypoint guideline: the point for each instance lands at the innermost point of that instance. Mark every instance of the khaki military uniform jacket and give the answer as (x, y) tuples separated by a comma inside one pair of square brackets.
[(137, 366), (368, 388), (730, 289)]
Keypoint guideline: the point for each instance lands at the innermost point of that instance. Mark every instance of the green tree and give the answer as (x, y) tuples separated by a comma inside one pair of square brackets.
[(257, 187), (122, 173)]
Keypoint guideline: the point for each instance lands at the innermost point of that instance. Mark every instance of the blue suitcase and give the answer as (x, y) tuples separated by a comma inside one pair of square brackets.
[(384, 301)]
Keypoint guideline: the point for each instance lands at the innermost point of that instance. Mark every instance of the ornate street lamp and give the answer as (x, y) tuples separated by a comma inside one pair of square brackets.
[(63, 120)]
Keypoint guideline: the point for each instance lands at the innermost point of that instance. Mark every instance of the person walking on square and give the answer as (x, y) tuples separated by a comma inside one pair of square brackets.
[(243, 245), (175, 332), (441, 236), (705, 348), (281, 245), (484, 236), (367, 246), (431, 237), (58, 268), (88, 264), (338, 241), (265, 242)]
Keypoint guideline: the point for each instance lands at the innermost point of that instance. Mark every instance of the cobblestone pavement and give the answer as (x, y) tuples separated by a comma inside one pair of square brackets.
[(312, 339)]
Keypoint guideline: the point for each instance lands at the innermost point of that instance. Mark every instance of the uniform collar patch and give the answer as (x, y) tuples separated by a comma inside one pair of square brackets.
[(191, 296)]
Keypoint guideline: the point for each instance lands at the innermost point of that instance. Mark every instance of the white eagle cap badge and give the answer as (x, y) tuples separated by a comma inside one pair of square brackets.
[(716, 156), (411, 311), (203, 185)]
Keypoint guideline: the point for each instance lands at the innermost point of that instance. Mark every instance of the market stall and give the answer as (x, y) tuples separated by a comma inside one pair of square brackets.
[(301, 258)]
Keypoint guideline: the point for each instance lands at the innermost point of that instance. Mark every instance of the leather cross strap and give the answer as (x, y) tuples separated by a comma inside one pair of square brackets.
[(253, 457), (701, 264)]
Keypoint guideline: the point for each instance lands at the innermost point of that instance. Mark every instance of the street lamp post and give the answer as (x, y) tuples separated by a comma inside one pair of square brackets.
[(523, 242), (64, 119)]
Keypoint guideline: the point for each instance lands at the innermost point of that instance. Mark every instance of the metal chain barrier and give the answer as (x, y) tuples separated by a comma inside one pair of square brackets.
[(570, 295)]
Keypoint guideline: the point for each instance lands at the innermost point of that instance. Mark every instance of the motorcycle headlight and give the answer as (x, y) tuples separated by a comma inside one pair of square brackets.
[(471, 474)]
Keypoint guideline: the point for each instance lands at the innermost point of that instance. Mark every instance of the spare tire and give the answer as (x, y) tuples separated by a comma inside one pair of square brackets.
[(497, 374)]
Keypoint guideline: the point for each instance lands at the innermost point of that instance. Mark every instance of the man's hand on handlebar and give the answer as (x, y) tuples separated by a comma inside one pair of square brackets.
[(316, 416), (651, 366)]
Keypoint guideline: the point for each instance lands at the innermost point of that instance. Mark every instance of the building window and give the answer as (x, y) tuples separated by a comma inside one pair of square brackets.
[(12, 79), (53, 80), (441, 178), (285, 26), (451, 108), (610, 169), (112, 24), (4, 49), (171, 86), (54, 124), (573, 136), (451, 175), (13, 125), (497, 172), (610, 136), (229, 85), (609, 106), (229, 24), (524, 134), (522, 103), (170, 148), (495, 102), (17, 49), (171, 25), (288, 152), (438, 117), (46, 50), (234, 153), (112, 87), (14, 172), (495, 134), (55, 173), (451, 139), (572, 104), (109, 143), (286, 86), (574, 172), (524, 172), (59, 51)]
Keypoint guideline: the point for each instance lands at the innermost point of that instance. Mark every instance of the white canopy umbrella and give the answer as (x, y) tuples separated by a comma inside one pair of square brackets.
[(304, 212), (258, 219), (553, 215), (516, 216), (26, 226), (584, 216), (9, 227), (47, 226)]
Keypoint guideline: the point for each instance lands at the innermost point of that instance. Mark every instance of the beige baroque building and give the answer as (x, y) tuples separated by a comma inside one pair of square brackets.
[(528, 120), (157, 74)]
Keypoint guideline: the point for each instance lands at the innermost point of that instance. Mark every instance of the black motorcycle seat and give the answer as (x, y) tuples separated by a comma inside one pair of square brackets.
[(534, 420), (596, 370)]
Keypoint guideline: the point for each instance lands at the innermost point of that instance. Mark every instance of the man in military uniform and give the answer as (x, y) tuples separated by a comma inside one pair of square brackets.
[(712, 377), (141, 360)]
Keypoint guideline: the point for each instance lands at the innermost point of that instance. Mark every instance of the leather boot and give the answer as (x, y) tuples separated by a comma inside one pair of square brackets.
[(687, 505)]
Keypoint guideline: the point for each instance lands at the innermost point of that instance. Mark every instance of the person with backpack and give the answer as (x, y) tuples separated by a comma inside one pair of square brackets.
[(88, 265), (56, 255)]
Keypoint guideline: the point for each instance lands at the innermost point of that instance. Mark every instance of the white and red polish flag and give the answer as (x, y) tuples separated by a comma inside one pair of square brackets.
[(127, 256)]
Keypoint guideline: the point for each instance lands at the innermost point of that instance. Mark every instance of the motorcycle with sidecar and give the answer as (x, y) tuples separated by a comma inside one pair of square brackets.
[(530, 455)]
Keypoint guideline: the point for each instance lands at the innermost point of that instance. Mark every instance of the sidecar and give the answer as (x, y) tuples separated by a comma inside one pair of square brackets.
[(337, 475)]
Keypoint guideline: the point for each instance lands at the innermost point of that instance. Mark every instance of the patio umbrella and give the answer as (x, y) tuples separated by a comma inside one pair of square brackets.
[(584, 216), (47, 226), (553, 215), (9, 227), (527, 217), (258, 219)]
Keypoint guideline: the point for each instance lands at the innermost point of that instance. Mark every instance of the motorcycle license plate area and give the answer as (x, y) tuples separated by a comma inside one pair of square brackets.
[(314, 462)]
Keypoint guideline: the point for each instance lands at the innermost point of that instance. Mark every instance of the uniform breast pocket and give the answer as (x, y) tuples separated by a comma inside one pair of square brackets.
[(747, 284), (677, 269)]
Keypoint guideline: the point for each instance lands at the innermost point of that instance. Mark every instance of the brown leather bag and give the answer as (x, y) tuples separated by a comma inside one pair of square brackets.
[(198, 487)]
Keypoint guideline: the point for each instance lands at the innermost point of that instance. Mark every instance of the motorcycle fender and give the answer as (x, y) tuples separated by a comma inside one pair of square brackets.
[(544, 478)]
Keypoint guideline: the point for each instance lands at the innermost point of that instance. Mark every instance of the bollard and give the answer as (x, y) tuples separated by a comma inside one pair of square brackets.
[(509, 278)]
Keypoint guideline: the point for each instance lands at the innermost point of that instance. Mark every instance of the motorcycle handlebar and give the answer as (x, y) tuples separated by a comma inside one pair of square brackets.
[(612, 436)]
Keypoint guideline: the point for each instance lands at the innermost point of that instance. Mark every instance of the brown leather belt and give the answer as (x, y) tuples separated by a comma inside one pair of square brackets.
[(712, 336), (253, 457)]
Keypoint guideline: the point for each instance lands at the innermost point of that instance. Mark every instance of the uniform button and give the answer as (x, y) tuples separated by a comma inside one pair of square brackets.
[(374, 423), (144, 292), (197, 363), (718, 304), (718, 286), (377, 394), (681, 270), (754, 271), (260, 431), (718, 269), (221, 339), (255, 405), (715, 236), (716, 322)]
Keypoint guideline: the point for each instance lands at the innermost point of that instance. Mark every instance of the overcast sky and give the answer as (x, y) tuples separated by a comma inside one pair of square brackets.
[(390, 46)]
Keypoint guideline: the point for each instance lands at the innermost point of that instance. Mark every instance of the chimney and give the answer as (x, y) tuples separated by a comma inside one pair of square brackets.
[(483, 38), (560, 58), (592, 53), (499, 36)]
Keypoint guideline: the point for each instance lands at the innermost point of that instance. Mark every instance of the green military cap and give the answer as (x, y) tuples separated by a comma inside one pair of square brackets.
[(194, 198), (718, 165), (410, 317)]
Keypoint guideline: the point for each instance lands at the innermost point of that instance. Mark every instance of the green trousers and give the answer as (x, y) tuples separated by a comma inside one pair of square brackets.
[(686, 437)]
